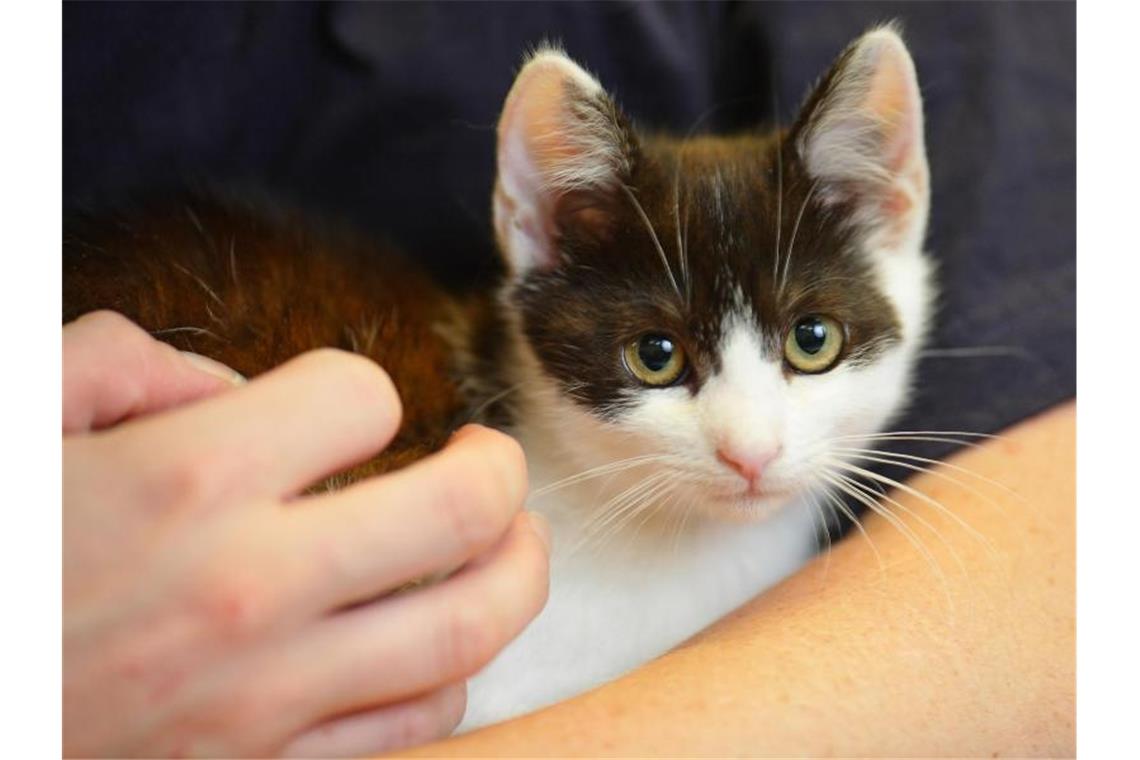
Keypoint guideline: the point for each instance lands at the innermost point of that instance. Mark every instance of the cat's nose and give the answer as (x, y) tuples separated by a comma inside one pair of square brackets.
[(748, 463)]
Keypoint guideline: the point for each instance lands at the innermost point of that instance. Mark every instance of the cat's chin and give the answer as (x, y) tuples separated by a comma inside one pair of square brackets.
[(742, 505)]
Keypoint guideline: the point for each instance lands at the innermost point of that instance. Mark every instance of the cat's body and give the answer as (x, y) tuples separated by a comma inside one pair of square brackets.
[(253, 284), (690, 335)]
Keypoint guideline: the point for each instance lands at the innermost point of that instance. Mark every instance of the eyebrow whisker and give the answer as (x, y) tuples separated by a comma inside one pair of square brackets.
[(653, 233)]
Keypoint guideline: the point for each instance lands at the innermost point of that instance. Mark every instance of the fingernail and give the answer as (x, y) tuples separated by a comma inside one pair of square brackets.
[(541, 528), (215, 368)]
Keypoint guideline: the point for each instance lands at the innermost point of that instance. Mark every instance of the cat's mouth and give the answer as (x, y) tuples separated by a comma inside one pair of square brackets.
[(750, 495)]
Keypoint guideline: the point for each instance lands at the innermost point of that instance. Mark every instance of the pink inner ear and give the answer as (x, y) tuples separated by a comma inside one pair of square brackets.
[(528, 131), (891, 99), (536, 116), (556, 141)]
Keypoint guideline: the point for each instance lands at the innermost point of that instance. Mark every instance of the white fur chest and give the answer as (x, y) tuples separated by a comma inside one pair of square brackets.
[(619, 603)]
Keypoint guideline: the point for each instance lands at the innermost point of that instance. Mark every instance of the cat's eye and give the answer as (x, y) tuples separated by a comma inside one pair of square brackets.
[(814, 344), (655, 359)]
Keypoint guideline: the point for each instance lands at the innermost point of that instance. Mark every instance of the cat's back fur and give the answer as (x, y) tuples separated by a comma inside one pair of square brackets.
[(253, 284)]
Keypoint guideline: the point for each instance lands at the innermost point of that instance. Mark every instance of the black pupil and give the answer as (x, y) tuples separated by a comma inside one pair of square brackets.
[(811, 334), (655, 351)]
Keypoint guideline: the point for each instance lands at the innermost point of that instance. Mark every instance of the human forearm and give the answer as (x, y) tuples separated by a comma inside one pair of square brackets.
[(969, 651)]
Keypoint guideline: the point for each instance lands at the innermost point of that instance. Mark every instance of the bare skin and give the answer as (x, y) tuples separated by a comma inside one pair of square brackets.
[(212, 609), (967, 652)]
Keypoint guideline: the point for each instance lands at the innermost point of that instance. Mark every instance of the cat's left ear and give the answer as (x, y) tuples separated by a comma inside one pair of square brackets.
[(860, 137), (564, 151)]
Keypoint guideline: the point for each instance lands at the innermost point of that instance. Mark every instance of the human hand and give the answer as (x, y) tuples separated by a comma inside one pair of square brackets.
[(210, 610)]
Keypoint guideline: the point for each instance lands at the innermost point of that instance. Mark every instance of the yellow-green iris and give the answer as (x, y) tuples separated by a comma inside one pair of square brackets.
[(655, 359), (813, 345)]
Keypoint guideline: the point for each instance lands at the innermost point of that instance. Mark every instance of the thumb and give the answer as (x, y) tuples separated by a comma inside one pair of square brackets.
[(114, 370)]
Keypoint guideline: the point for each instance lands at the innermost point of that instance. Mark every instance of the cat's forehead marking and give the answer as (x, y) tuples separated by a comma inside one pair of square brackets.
[(742, 346), (760, 241)]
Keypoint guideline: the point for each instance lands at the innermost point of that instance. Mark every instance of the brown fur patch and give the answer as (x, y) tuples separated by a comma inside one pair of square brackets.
[(255, 287)]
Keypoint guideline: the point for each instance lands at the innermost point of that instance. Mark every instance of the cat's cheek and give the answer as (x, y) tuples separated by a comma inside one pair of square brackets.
[(847, 401), (905, 277), (663, 419), (878, 392)]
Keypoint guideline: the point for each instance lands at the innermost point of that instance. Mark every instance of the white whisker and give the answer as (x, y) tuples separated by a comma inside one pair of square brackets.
[(904, 433), (869, 454), (837, 503), (653, 233), (682, 521), (825, 529), (614, 506), (594, 472), (918, 495), (779, 207), (202, 283), (189, 330), (618, 512), (857, 492), (233, 263), (975, 352), (682, 255), (795, 231), (475, 415)]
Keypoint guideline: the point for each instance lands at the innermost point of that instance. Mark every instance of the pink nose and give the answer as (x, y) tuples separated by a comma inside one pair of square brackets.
[(749, 464)]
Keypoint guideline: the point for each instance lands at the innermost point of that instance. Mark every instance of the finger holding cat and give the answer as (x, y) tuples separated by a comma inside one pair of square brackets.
[(386, 659), (155, 628), (318, 413), (348, 546), (415, 643), (114, 370)]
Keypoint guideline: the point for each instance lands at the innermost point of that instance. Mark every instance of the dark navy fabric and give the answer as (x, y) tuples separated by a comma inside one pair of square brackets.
[(384, 114)]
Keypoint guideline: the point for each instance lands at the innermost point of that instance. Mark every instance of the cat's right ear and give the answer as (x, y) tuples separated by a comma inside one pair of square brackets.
[(860, 136), (564, 150)]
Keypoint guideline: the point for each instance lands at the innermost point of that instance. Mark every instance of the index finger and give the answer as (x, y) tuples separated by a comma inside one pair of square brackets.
[(430, 517), (314, 415)]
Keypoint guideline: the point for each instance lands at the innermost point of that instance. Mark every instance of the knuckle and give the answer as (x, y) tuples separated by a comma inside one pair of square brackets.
[(193, 480), (231, 607), (335, 562), (468, 640)]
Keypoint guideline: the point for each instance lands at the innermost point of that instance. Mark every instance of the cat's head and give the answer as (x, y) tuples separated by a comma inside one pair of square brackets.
[(733, 309)]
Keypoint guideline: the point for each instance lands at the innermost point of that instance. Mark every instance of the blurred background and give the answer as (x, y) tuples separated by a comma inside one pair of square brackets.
[(383, 114)]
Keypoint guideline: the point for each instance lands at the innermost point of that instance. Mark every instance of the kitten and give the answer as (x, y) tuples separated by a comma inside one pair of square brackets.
[(693, 322), (686, 330)]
